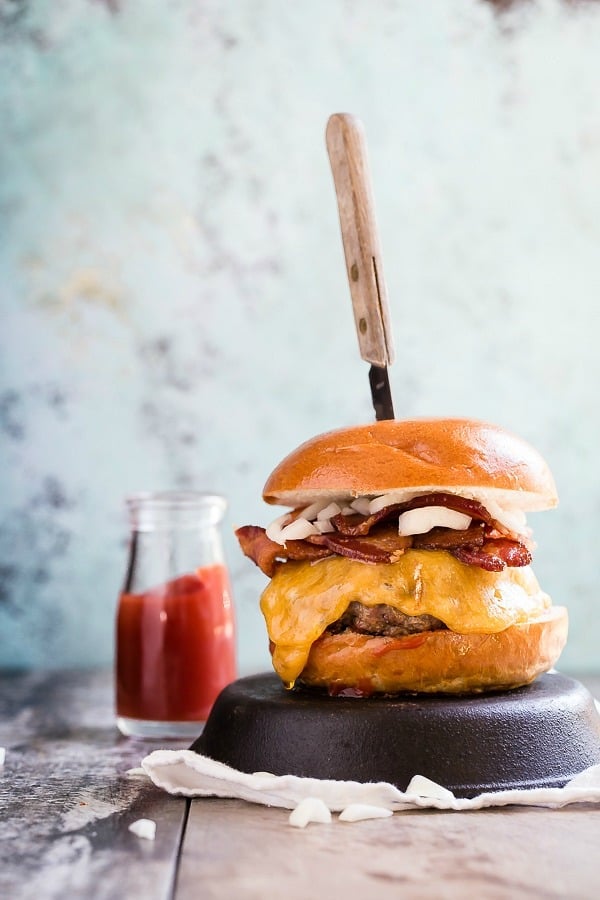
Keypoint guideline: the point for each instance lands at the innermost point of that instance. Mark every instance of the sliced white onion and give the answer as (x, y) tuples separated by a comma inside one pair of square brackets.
[(348, 511), (385, 500), (356, 812), (311, 512), (325, 526), (329, 512), (361, 505), (420, 521), (299, 529), (283, 529), (514, 520), (275, 529), (144, 828), (311, 809)]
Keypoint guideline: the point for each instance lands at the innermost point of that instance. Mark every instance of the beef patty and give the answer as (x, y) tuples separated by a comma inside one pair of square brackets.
[(383, 620)]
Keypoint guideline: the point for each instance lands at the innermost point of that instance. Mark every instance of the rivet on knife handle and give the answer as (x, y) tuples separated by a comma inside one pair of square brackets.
[(347, 150)]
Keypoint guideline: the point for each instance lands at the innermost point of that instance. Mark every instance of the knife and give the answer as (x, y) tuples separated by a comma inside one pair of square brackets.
[(347, 149)]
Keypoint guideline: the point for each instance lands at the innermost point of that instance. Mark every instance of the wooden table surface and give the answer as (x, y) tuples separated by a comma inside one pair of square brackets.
[(66, 803)]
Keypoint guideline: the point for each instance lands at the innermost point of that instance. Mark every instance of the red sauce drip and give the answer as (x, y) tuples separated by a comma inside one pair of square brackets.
[(363, 688), (175, 648), (410, 642)]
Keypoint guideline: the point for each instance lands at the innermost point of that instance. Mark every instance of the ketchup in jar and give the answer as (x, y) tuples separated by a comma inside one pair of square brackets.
[(175, 636)]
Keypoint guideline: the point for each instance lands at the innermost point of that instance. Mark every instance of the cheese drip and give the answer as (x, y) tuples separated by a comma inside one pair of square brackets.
[(301, 599)]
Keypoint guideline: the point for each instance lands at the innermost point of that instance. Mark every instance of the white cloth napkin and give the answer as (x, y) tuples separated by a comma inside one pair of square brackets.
[(192, 775)]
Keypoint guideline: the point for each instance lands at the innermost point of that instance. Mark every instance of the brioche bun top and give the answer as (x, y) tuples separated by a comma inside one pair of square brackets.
[(412, 457)]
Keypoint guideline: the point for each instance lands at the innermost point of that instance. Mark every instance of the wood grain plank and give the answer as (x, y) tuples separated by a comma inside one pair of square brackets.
[(237, 850), (66, 801)]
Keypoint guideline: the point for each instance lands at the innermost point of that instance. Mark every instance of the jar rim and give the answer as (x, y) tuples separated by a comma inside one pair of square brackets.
[(181, 499), (157, 510)]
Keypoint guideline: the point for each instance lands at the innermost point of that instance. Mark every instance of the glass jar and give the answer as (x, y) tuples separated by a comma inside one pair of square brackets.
[(175, 635)]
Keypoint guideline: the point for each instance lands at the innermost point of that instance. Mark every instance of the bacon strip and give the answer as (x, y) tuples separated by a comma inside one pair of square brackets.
[(357, 525), (385, 546), (360, 525), (494, 555), (266, 553), (450, 539)]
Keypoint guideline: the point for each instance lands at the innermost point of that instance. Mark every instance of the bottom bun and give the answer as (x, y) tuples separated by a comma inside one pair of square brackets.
[(437, 661)]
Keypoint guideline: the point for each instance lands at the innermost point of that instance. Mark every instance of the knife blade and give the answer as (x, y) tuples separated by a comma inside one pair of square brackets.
[(381, 393)]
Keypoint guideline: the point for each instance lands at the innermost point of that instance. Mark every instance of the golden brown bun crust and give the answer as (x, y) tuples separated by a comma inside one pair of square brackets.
[(438, 661), (415, 453)]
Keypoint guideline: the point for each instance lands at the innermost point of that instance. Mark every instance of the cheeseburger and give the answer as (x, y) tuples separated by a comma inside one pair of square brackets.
[(404, 563)]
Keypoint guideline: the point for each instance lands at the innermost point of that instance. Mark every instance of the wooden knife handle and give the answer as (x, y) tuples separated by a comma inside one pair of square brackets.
[(347, 149)]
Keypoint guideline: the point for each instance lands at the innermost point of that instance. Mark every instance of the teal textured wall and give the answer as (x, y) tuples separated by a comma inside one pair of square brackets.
[(174, 304)]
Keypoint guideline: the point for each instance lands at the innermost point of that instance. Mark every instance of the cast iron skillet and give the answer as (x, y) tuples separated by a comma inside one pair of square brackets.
[(536, 736)]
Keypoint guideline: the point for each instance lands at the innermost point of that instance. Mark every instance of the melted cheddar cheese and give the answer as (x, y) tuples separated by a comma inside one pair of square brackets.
[(302, 599)]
